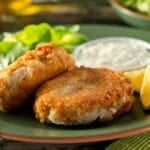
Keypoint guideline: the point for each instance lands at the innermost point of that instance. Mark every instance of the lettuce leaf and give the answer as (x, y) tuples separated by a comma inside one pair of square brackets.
[(141, 6), (67, 37), (5, 47), (16, 44), (35, 34), (10, 53)]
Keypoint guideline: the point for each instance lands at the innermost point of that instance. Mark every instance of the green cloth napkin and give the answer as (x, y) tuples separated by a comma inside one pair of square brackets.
[(137, 142)]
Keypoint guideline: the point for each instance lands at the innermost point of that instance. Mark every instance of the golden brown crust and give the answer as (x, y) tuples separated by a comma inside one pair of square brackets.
[(20, 79), (82, 90)]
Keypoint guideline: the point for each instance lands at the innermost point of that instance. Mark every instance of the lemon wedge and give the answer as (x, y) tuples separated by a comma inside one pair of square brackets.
[(145, 89), (136, 76)]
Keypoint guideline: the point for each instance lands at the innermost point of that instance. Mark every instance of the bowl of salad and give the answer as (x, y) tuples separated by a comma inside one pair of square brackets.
[(133, 12)]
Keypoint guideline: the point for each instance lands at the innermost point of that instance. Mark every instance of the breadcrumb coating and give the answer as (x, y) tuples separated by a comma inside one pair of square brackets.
[(22, 77), (83, 95)]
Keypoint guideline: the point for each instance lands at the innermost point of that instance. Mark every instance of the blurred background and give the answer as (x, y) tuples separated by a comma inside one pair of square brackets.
[(14, 14)]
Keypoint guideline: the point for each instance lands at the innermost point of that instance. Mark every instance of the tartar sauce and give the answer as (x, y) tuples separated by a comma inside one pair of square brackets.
[(117, 53)]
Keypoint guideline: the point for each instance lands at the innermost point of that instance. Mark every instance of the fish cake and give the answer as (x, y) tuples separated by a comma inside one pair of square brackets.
[(83, 95), (22, 77)]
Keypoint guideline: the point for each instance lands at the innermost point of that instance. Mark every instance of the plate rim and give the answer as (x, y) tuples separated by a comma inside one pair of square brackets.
[(74, 140)]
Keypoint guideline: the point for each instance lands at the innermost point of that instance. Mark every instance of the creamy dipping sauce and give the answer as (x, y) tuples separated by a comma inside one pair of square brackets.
[(117, 53)]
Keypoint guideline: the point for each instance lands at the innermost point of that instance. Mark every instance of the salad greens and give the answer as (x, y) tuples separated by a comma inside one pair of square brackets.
[(16, 44), (141, 6), (31, 35)]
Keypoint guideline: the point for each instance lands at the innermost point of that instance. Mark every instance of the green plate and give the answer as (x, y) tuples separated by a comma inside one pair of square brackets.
[(23, 126)]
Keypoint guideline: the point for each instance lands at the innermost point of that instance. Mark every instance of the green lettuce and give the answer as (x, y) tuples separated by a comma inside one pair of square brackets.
[(31, 35), (68, 38), (13, 45), (9, 51), (141, 6)]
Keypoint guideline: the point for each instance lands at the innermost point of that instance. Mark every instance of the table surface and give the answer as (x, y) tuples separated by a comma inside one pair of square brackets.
[(91, 13), (99, 14), (13, 145)]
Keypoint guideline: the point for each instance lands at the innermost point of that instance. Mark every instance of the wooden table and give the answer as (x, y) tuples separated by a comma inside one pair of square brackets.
[(13, 145), (91, 13)]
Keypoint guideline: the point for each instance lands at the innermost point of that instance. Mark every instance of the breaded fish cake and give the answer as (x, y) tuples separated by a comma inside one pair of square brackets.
[(20, 79), (83, 95)]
